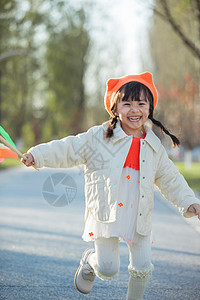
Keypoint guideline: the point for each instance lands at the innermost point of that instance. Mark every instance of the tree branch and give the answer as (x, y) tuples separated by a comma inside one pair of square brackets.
[(168, 18), (198, 14), (159, 14), (11, 53)]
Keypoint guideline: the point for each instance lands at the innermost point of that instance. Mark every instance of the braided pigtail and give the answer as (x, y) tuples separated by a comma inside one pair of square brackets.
[(111, 127), (174, 139)]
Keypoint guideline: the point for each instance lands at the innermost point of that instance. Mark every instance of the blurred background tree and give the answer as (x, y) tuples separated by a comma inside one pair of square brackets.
[(20, 74), (44, 81), (175, 48), (55, 58), (30, 27), (66, 52)]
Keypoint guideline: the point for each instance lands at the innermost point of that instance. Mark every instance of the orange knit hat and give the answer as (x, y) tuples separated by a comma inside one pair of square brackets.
[(113, 85)]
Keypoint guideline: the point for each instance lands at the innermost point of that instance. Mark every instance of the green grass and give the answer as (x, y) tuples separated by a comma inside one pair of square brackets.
[(192, 176), (10, 163)]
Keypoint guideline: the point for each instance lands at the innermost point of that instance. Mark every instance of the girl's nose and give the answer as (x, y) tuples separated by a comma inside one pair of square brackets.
[(134, 107)]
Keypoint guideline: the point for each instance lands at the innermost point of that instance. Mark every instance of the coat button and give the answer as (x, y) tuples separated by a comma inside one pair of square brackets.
[(142, 196), (143, 160), (140, 214), (143, 177)]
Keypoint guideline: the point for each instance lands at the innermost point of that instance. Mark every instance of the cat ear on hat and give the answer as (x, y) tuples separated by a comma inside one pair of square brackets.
[(111, 83), (110, 92), (147, 77)]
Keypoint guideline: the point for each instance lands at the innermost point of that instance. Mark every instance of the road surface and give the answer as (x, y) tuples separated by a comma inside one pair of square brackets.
[(41, 244)]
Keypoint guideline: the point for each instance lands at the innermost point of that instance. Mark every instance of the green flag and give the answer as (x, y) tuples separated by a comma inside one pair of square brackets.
[(6, 136)]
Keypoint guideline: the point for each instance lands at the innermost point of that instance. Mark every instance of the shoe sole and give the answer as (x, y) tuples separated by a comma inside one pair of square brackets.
[(77, 274)]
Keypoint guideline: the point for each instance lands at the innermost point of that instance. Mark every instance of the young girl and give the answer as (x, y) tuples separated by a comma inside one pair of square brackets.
[(123, 160)]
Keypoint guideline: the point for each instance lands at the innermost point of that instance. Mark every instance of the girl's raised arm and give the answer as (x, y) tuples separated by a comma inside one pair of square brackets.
[(174, 186)]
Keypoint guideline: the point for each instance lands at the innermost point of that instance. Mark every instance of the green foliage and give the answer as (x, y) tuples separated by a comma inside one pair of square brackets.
[(6, 13), (42, 61), (28, 133), (10, 163), (66, 65), (192, 175), (19, 64)]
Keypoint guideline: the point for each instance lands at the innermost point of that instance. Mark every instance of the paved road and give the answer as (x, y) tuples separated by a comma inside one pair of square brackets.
[(41, 245)]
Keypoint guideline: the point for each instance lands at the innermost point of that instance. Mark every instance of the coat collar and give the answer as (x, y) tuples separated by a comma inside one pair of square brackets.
[(119, 134)]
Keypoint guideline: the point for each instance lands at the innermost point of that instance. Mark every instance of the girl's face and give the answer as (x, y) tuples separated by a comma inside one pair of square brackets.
[(133, 114)]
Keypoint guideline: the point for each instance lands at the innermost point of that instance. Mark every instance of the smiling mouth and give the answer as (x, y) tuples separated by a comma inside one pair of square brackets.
[(134, 119)]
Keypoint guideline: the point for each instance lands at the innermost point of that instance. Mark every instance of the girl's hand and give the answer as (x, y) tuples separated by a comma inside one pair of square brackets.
[(30, 159), (194, 208)]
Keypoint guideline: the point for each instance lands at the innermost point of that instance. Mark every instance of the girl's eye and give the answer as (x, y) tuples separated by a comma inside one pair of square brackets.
[(142, 103), (127, 104)]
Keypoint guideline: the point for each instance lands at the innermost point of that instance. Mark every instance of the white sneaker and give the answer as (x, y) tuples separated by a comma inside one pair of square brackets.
[(84, 277)]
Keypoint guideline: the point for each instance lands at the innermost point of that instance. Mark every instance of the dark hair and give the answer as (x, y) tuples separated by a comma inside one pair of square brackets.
[(133, 90)]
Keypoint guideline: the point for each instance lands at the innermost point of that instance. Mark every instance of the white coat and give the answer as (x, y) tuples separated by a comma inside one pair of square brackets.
[(104, 159)]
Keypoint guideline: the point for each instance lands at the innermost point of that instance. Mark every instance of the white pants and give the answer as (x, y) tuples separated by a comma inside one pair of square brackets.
[(106, 261)]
